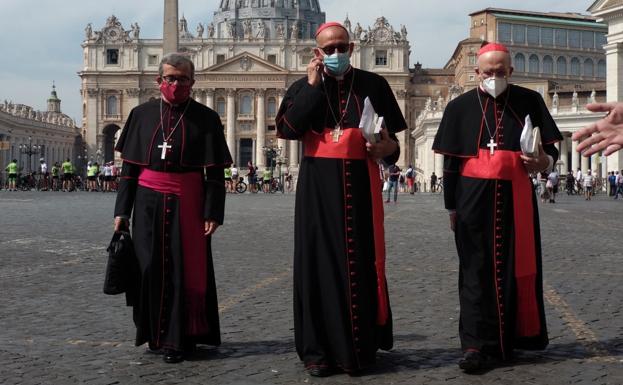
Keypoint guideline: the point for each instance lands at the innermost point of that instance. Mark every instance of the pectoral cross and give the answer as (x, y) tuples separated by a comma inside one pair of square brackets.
[(337, 132), (492, 145), (164, 146)]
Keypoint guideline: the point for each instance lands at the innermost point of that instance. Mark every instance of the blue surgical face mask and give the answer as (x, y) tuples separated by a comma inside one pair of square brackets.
[(337, 63)]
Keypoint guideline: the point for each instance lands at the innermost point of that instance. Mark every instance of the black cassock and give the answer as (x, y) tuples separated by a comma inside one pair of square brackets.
[(335, 280), (492, 319), (198, 150)]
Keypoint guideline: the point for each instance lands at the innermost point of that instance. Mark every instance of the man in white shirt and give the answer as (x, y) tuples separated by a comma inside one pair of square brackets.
[(588, 185), (107, 176), (44, 174), (578, 179)]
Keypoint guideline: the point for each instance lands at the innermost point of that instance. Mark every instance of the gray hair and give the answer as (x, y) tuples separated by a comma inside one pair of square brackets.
[(177, 60)]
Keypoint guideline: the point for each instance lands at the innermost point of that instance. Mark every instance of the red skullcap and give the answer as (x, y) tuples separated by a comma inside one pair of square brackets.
[(329, 24), (492, 47)]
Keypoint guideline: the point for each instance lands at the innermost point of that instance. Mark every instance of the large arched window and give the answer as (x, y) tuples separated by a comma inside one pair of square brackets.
[(111, 105), (548, 65), (589, 69), (534, 64), (561, 66), (220, 106), (272, 107), (246, 105), (601, 69), (520, 63), (575, 67)]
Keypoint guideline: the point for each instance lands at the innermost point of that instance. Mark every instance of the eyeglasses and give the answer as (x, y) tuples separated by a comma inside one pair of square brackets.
[(496, 74), (179, 79), (341, 48)]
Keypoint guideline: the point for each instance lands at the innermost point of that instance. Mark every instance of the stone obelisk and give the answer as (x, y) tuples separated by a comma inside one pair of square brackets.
[(170, 32)]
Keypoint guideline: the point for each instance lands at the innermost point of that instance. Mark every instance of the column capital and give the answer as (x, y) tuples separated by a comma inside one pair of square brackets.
[(133, 92), (210, 91), (260, 92), (282, 92), (231, 92)]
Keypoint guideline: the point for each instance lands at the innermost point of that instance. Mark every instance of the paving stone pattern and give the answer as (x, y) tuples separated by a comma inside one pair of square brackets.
[(57, 327)]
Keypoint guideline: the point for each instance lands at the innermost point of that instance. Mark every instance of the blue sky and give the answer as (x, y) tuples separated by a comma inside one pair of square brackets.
[(40, 39)]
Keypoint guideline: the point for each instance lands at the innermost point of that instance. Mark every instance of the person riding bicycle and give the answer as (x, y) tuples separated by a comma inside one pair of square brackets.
[(234, 177), (570, 183), (252, 177), (91, 176), (55, 175), (11, 168), (229, 187), (68, 175), (267, 177)]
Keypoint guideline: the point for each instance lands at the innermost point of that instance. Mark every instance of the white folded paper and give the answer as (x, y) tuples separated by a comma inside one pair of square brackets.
[(530, 139), (370, 125)]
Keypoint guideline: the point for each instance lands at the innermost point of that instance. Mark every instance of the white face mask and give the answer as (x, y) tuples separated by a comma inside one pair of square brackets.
[(494, 86)]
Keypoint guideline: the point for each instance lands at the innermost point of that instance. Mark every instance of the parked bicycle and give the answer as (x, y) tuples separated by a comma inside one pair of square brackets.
[(241, 187)]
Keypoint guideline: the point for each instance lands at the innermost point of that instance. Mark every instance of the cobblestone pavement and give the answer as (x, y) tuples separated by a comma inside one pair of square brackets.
[(56, 326)]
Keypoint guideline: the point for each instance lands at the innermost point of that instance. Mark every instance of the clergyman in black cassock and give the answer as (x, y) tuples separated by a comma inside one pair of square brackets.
[(493, 210), (341, 303), (172, 184)]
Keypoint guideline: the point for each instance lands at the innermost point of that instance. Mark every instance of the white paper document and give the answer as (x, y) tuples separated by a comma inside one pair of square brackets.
[(370, 124), (530, 138)]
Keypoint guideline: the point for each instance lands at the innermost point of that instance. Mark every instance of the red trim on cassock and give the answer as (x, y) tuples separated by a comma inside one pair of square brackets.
[(507, 165), (352, 145)]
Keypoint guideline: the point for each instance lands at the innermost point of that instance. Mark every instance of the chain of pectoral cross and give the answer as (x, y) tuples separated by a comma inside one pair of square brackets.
[(165, 138), (337, 132), (498, 123)]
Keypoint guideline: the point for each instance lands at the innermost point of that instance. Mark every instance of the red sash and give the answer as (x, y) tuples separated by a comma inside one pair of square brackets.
[(507, 165), (352, 145), (189, 188)]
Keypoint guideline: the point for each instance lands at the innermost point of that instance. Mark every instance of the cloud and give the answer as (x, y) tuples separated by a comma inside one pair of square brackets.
[(41, 39)]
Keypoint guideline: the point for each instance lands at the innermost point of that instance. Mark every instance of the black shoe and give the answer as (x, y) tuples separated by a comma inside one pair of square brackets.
[(173, 356), (471, 362), (320, 371), (151, 349)]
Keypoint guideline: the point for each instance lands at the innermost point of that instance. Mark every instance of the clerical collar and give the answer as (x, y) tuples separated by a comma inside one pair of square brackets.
[(171, 105), (501, 96), (348, 72)]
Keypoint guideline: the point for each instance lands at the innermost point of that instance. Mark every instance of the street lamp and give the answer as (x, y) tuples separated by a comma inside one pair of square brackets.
[(29, 150)]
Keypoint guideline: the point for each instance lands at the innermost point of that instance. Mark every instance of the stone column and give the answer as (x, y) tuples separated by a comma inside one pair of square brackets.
[(261, 127), (294, 154), (564, 156), (438, 165), (575, 160), (584, 163), (231, 123), (210, 97), (91, 120), (614, 76), (282, 143), (403, 137), (170, 36)]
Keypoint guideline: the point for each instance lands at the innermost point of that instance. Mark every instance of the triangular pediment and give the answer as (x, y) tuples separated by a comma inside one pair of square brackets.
[(604, 5), (247, 63)]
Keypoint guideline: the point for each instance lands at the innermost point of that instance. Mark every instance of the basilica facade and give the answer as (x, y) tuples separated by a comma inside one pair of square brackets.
[(28, 135), (245, 57)]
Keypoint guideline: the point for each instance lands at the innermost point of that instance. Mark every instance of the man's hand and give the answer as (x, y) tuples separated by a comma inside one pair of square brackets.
[(605, 134), (314, 71), (453, 221), (210, 227), (121, 224), (536, 164), (383, 148)]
